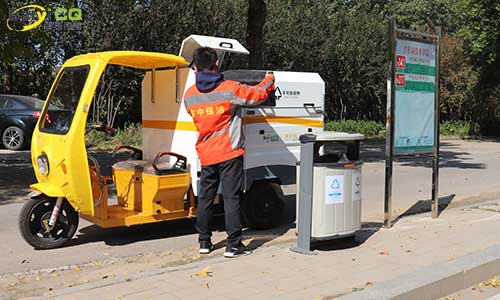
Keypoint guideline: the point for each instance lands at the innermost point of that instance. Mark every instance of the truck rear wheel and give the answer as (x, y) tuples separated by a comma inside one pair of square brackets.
[(34, 218), (262, 206)]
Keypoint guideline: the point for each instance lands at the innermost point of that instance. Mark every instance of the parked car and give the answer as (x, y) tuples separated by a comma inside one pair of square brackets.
[(18, 117)]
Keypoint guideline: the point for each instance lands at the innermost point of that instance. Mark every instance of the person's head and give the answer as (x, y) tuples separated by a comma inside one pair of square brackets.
[(205, 59)]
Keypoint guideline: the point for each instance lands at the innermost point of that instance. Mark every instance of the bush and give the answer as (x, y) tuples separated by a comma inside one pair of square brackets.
[(129, 135), (374, 129), (370, 129), (461, 129)]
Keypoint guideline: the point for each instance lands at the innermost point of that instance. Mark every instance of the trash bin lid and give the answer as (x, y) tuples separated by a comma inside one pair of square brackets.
[(331, 136)]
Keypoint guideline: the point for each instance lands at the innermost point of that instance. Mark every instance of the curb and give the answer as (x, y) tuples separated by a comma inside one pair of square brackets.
[(472, 199), (436, 281)]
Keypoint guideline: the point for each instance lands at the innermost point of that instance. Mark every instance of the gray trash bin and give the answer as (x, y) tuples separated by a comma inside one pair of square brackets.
[(336, 185)]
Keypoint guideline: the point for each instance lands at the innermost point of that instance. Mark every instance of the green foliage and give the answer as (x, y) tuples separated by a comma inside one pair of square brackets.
[(421, 15), (345, 41), (331, 38), (130, 135), (479, 25), (376, 130), (459, 80), (370, 129), (459, 129)]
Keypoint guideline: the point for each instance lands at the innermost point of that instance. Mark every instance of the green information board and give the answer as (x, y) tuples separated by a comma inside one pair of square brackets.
[(414, 103), (412, 119)]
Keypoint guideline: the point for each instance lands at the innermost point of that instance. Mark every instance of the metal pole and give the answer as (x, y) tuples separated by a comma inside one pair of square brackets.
[(389, 139), (304, 216), (435, 160)]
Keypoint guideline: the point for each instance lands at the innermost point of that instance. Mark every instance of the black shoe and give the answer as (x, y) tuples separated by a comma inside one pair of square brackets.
[(206, 247), (235, 251)]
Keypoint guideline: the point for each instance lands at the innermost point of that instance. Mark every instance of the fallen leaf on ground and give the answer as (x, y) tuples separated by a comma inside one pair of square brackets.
[(77, 268), (204, 272), (355, 289), (493, 282), (37, 278), (206, 286), (384, 253), (369, 283)]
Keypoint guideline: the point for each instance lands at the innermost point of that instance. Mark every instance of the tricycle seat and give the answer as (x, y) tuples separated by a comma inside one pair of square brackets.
[(146, 167)]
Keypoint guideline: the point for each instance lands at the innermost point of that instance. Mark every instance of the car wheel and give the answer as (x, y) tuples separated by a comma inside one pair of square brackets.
[(13, 138)]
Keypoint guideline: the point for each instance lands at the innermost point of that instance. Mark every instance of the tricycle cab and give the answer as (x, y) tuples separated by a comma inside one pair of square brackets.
[(61, 163)]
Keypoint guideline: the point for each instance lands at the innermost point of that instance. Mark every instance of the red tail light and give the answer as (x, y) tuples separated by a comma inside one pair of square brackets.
[(36, 114)]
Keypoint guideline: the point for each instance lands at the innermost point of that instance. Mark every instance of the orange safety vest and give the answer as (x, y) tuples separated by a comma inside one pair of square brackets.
[(216, 115)]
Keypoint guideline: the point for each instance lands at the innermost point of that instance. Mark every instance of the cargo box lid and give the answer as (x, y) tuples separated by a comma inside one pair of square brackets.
[(220, 45)]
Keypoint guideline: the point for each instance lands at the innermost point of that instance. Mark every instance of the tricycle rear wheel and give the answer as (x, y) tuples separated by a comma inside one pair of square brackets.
[(34, 217)]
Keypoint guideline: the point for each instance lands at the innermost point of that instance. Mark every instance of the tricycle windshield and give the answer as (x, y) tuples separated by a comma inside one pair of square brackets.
[(62, 102)]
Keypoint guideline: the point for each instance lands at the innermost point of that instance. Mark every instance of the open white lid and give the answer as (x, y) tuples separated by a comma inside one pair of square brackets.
[(220, 45)]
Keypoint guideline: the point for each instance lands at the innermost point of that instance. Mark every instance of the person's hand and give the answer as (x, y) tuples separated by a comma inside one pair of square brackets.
[(270, 73)]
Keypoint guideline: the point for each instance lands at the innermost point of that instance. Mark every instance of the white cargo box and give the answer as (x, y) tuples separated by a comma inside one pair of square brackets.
[(272, 131)]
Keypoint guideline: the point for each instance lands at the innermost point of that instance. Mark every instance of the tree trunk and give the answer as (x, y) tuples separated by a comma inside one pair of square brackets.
[(7, 79), (255, 38)]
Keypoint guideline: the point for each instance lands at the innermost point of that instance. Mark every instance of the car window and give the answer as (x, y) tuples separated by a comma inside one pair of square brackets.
[(9, 104), (63, 100)]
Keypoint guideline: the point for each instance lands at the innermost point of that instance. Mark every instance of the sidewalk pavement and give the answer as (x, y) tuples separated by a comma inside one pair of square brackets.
[(340, 268)]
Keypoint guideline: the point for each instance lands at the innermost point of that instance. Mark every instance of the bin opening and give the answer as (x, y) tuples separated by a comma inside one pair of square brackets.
[(340, 152)]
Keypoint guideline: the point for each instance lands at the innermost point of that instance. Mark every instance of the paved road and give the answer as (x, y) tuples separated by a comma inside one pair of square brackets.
[(467, 168)]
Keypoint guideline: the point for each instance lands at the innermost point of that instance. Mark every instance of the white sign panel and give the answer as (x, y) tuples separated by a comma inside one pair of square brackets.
[(356, 185), (334, 189)]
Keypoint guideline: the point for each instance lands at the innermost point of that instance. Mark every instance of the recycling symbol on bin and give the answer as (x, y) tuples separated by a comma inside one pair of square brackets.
[(335, 184)]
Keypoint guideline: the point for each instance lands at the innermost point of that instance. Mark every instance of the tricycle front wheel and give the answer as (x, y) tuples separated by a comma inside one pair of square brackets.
[(34, 218)]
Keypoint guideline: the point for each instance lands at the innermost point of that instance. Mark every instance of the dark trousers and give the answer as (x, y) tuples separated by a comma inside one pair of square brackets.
[(229, 173)]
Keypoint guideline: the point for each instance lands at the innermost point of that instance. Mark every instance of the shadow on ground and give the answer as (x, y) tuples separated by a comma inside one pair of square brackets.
[(120, 236), (16, 174), (423, 206), (128, 235), (449, 156)]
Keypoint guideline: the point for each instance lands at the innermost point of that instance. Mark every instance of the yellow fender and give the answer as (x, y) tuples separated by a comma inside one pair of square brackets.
[(47, 189)]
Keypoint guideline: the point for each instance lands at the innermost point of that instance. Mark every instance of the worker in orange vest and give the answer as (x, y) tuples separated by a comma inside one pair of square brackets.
[(214, 105)]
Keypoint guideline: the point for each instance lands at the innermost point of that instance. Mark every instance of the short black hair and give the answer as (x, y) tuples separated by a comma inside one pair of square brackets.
[(204, 58)]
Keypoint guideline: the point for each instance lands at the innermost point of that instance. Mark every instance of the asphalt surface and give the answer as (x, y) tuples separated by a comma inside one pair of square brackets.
[(468, 168)]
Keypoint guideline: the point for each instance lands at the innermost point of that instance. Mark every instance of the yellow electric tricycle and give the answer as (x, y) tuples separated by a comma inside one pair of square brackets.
[(70, 184)]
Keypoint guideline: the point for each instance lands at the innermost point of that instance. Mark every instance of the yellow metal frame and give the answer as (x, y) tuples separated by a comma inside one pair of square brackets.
[(69, 174)]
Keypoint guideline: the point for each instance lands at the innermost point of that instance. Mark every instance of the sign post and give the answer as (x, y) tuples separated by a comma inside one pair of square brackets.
[(412, 105)]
